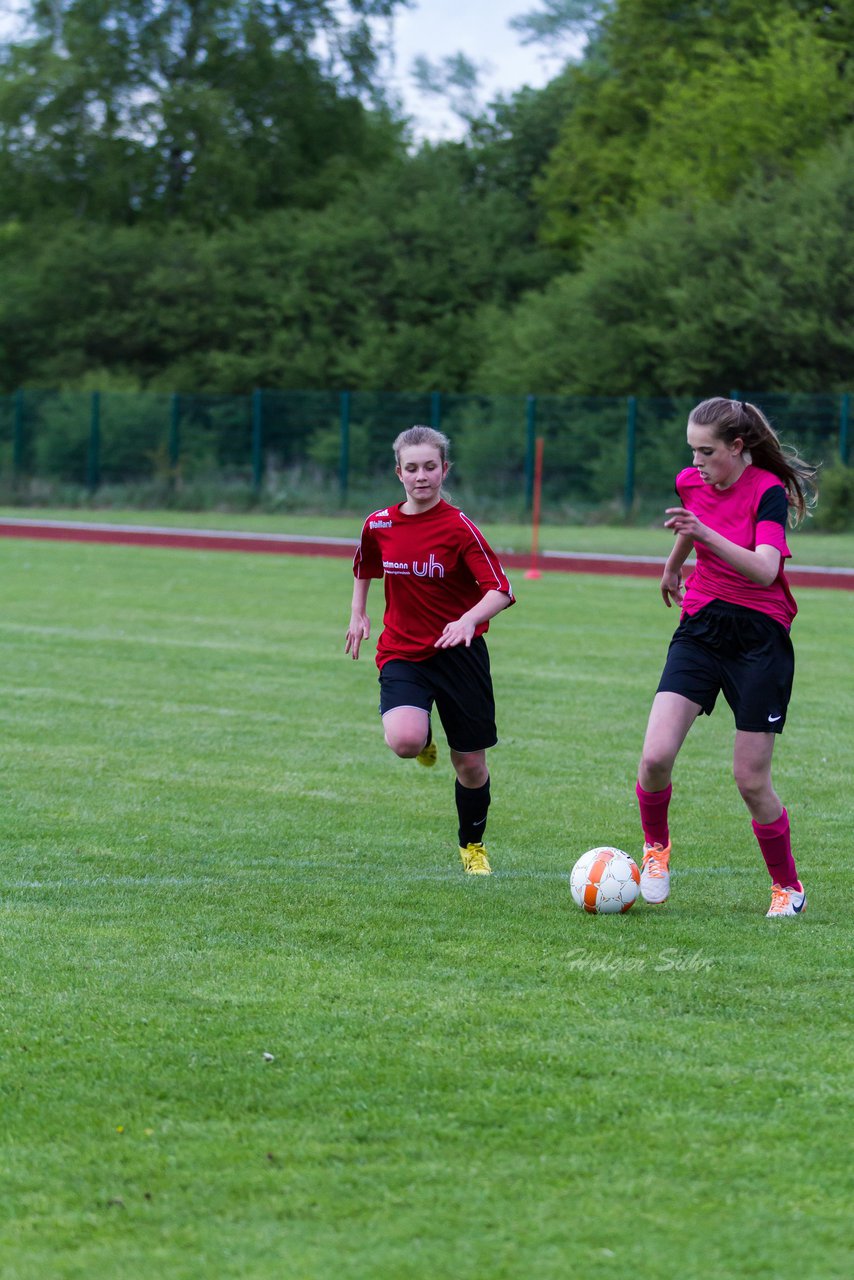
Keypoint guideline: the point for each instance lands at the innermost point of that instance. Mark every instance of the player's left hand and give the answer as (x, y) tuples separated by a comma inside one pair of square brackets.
[(459, 632)]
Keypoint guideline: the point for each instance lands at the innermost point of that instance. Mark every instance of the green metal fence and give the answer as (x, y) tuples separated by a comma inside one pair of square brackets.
[(597, 450)]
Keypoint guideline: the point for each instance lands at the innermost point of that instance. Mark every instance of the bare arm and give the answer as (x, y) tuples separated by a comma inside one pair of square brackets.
[(360, 624), (760, 566), (462, 630), (672, 579)]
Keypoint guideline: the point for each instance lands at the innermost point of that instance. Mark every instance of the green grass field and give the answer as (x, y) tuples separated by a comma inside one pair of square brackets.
[(256, 1021)]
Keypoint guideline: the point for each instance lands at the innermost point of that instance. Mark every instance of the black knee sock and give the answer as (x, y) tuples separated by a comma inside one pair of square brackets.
[(472, 808)]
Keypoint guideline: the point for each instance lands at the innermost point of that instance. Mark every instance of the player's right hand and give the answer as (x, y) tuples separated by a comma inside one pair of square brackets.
[(358, 630), (671, 587)]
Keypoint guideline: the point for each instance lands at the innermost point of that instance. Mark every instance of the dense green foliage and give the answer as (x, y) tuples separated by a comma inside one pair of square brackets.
[(120, 111), (219, 196), (760, 286), (210, 856), (688, 102)]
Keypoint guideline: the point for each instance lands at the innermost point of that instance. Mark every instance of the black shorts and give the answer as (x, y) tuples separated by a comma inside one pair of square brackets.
[(740, 651), (458, 680)]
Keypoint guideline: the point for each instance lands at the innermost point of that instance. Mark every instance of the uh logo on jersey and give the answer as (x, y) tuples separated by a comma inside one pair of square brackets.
[(431, 568)]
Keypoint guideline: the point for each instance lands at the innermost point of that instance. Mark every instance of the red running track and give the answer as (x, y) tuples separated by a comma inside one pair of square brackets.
[(294, 544)]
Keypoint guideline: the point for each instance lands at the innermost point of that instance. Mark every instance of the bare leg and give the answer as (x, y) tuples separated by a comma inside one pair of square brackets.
[(670, 719), (470, 767), (751, 766), (406, 730)]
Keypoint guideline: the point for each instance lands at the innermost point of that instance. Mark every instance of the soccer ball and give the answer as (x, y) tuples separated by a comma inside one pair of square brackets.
[(604, 881)]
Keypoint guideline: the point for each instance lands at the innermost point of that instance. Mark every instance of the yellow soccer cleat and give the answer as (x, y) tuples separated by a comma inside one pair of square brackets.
[(475, 861), (428, 755)]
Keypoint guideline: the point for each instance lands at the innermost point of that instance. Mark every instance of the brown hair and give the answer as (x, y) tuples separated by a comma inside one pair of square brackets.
[(422, 435), (737, 420)]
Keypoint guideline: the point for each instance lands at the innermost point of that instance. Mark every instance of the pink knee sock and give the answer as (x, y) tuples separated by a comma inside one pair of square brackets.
[(775, 841), (653, 814)]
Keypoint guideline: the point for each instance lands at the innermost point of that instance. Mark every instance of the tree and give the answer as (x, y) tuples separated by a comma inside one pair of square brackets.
[(757, 292), (745, 118), (128, 109), (455, 78), (378, 290), (690, 84), (511, 142), (557, 20)]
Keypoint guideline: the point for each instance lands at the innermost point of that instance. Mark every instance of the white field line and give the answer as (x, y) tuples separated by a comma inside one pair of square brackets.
[(173, 532), (309, 869), (603, 555), (612, 558)]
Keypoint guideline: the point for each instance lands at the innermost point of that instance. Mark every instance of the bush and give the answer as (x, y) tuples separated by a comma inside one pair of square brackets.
[(835, 510)]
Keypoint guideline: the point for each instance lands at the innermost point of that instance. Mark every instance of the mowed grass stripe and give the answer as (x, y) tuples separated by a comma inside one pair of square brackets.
[(209, 855)]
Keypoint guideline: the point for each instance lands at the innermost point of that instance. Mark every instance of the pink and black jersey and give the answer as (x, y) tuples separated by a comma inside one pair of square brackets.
[(436, 566), (751, 513)]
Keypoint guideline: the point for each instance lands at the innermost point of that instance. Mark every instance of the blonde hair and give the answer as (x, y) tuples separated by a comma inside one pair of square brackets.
[(422, 435), (737, 420)]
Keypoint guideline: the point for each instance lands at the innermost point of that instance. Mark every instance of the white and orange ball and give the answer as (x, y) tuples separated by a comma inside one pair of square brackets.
[(605, 881)]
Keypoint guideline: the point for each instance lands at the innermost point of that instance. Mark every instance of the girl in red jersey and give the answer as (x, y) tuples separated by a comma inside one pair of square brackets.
[(443, 583), (733, 636)]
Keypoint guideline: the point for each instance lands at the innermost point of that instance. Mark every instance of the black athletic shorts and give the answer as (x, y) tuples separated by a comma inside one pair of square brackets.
[(458, 680), (739, 651)]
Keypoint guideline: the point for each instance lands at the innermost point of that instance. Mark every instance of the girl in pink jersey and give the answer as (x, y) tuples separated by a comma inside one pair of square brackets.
[(733, 636), (443, 583)]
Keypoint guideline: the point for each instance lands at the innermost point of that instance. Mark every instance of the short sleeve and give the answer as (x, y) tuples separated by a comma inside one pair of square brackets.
[(682, 483), (368, 561), (482, 562), (771, 515)]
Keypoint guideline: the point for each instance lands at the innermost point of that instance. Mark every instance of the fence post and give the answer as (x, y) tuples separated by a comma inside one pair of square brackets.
[(257, 440), (93, 461), (844, 424), (18, 434), (631, 453), (344, 456), (436, 410), (174, 433), (530, 448)]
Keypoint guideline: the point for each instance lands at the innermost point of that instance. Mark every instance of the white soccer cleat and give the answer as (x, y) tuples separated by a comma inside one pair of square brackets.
[(655, 874), (786, 902)]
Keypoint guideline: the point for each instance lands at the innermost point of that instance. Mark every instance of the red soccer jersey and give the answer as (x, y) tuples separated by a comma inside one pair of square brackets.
[(750, 513), (436, 566)]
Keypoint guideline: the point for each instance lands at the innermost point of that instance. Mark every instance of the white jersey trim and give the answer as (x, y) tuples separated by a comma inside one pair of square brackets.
[(500, 575)]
